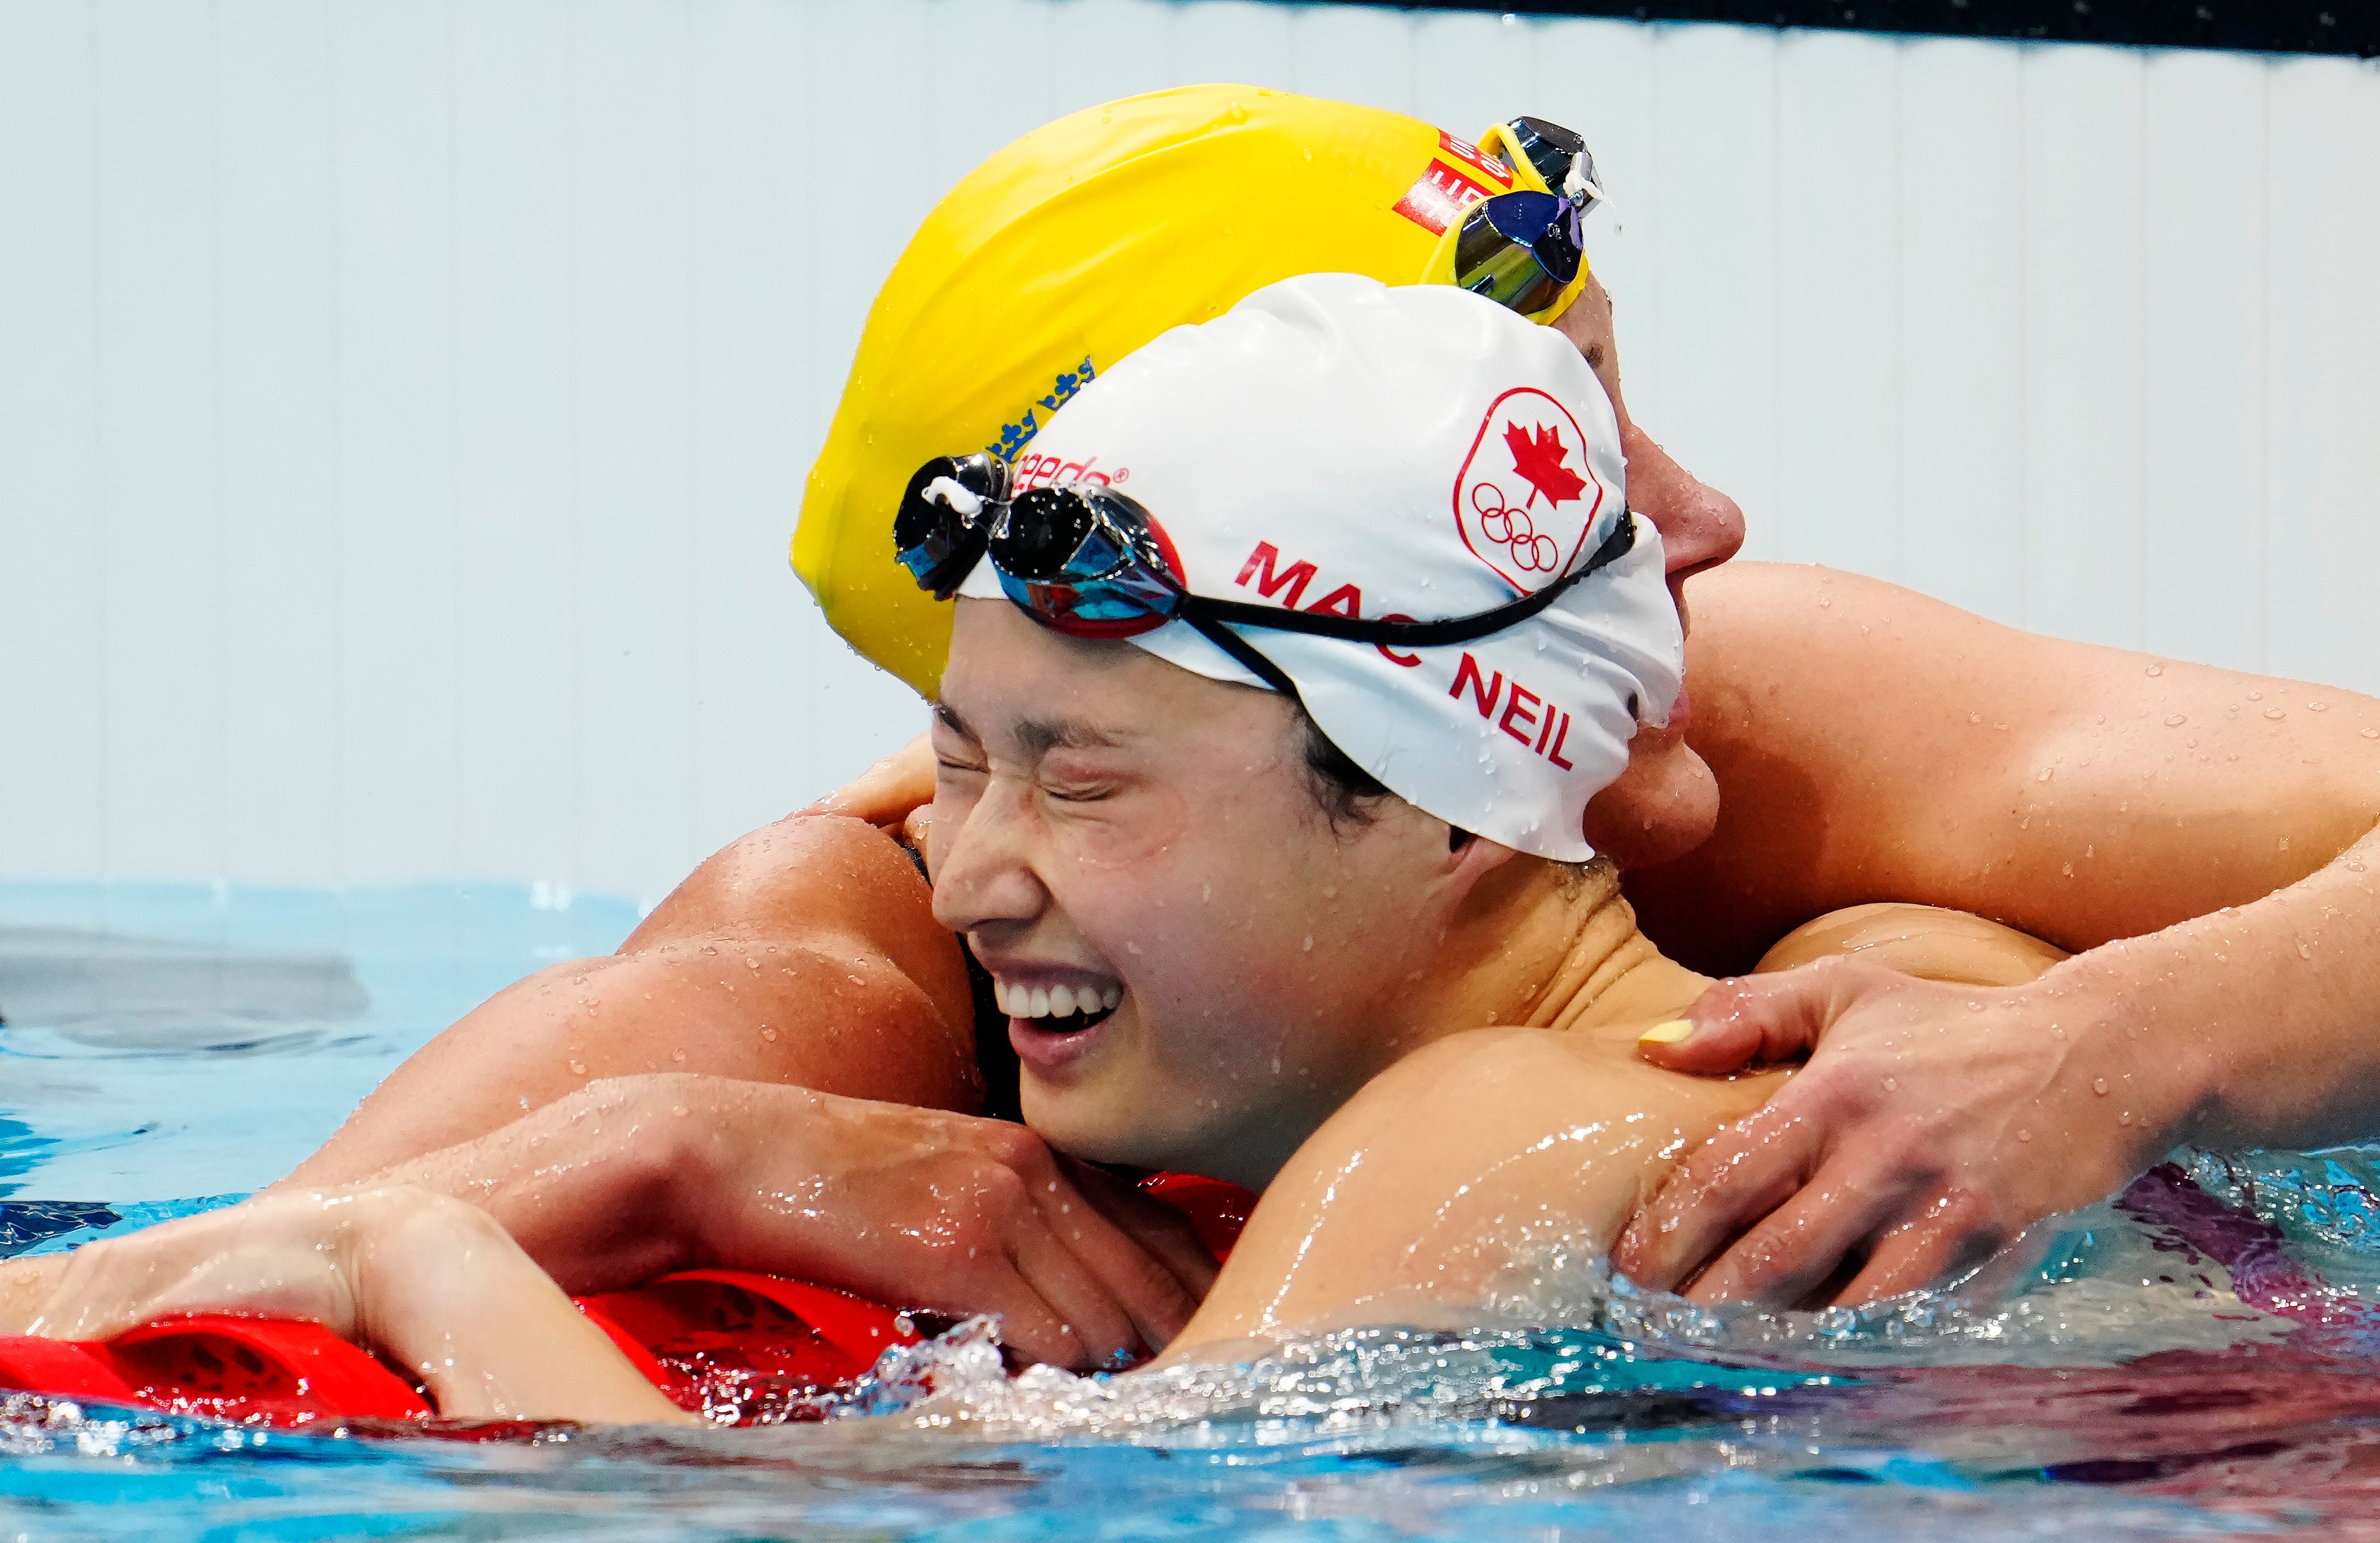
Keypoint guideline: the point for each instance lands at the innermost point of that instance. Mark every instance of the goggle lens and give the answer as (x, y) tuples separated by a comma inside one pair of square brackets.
[(1084, 561), (1518, 249), (940, 529)]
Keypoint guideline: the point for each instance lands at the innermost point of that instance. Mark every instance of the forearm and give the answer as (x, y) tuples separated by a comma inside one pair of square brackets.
[(442, 1291), (24, 1284), (2253, 1026), (600, 1188)]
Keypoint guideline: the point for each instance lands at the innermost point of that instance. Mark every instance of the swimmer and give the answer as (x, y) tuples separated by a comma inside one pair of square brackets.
[(1314, 912), (1846, 742)]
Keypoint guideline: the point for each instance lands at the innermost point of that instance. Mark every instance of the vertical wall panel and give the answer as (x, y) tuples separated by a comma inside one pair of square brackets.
[(53, 609), (1229, 40), (1355, 54), (1962, 304), (161, 514), (404, 406), (277, 372), (2203, 303), (1712, 402), (2323, 455), (2081, 346), (1838, 309), (631, 95), (517, 618), (393, 135)]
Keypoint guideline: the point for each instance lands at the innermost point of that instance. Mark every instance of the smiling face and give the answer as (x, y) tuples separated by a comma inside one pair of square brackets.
[(1147, 842), (1665, 803)]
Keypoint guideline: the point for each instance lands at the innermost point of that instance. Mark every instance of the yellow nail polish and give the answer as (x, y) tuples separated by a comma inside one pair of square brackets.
[(1667, 1034)]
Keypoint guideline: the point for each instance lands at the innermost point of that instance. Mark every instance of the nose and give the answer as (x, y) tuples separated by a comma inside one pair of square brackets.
[(983, 877), (1700, 525)]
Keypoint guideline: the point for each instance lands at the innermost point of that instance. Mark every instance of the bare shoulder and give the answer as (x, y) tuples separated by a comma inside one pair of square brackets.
[(809, 879), (1928, 941), (1452, 1167)]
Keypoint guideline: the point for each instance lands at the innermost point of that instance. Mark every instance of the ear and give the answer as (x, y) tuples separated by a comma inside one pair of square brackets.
[(1470, 858)]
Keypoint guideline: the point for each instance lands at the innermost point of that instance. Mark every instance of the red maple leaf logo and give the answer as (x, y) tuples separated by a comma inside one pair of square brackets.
[(1540, 460)]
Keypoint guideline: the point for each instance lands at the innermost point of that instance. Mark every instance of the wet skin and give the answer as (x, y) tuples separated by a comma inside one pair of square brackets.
[(1847, 741)]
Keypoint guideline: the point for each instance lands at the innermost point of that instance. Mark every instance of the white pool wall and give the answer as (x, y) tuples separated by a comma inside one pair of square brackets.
[(404, 405)]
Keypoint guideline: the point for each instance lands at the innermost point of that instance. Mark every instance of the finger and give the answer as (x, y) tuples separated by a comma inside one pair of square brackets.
[(1739, 1176), (887, 791), (1028, 1324), (1801, 1244), (1168, 1235), (1143, 1287), (1736, 1023), (1086, 1311), (1952, 1233)]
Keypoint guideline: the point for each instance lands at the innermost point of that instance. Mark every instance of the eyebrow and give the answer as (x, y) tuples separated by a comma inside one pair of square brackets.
[(1041, 736), (1037, 735)]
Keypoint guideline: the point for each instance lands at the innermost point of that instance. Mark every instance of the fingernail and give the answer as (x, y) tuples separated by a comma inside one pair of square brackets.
[(1667, 1034)]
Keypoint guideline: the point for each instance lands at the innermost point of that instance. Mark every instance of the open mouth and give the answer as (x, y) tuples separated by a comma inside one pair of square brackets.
[(1061, 1009)]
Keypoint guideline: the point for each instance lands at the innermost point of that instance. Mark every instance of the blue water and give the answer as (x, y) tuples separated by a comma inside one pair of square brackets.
[(168, 1048)]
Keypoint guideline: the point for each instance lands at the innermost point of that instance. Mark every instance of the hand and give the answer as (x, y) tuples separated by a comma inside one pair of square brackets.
[(1933, 1123), (290, 1255), (887, 793), (925, 1209)]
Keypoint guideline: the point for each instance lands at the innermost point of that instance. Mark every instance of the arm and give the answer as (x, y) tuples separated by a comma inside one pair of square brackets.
[(804, 953), (1871, 744), (428, 1282), (634, 1177), (1922, 1151)]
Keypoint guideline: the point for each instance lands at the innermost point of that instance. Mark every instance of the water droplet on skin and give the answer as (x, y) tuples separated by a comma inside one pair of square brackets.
[(2156, 669), (2024, 1135), (2317, 706), (751, 964), (578, 1068), (1892, 1085), (2354, 867), (1975, 1007), (1309, 943), (2304, 953), (2044, 775), (678, 1056), (2275, 713), (707, 949), (2176, 722), (770, 1035), (1824, 602), (2099, 1085), (678, 1110), (1974, 718), (2124, 1117)]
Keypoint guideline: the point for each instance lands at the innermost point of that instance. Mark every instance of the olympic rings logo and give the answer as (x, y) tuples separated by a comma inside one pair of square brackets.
[(1532, 550)]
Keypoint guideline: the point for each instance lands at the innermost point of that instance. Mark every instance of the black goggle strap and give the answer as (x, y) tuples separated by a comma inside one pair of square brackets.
[(1212, 628), (1196, 609)]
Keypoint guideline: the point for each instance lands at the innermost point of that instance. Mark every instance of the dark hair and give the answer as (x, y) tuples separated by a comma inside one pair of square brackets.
[(1345, 790)]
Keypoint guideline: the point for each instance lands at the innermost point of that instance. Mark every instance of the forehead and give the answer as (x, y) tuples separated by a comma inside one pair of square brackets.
[(1012, 680)]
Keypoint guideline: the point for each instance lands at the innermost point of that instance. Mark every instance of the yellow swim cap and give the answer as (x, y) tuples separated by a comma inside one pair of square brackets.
[(1072, 247)]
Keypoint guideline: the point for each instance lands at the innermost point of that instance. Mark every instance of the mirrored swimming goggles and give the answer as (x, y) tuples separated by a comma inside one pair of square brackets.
[(1085, 560), (1524, 249)]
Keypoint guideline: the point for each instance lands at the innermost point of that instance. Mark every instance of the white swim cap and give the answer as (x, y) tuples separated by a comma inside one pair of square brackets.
[(1334, 444)]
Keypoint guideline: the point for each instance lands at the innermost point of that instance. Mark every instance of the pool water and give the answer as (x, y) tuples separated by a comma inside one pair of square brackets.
[(2202, 1361)]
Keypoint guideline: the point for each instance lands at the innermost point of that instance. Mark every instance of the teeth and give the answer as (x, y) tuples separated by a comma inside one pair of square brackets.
[(1053, 1002)]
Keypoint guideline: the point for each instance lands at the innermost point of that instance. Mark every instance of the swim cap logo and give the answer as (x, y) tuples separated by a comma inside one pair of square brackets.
[(1526, 497)]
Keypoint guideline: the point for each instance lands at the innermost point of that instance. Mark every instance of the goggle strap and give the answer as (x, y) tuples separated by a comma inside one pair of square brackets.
[(1213, 629), (1411, 635)]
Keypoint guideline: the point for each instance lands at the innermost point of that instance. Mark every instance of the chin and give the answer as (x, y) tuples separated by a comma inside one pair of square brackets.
[(1663, 807)]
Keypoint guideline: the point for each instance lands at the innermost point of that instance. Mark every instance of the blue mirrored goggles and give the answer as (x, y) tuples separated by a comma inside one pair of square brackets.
[(1085, 560)]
